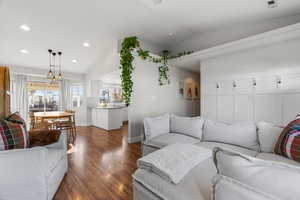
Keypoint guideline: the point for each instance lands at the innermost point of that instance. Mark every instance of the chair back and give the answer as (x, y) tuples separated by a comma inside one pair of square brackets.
[(32, 119), (73, 115)]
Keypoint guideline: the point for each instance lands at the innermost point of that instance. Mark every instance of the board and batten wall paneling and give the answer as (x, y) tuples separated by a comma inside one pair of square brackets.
[(263, 102), (259, 84), (225, 107), (290, 106), (268, 107), (244, 106), (209, 108)]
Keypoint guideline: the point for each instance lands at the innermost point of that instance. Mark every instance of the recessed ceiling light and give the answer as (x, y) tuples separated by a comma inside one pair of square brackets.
[(25, 27), (86, 44), (171, 34), (24, 51), (74, 61)]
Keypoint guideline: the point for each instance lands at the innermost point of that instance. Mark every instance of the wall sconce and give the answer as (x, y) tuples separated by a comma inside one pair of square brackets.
[(218, 86)]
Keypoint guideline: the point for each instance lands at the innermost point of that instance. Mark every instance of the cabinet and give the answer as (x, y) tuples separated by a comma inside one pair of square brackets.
[(107, 118)]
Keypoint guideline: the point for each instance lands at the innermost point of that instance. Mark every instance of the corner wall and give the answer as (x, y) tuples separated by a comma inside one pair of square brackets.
[(150, 99)]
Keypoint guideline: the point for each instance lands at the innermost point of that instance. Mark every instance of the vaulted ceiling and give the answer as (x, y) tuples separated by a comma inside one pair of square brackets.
[(66, 24)]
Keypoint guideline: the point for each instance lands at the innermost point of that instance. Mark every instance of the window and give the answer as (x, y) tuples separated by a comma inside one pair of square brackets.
[(43, 96), (77, 94)]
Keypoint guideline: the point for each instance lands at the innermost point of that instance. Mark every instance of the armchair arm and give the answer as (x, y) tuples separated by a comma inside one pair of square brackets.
[(61, 143), (23, 174)]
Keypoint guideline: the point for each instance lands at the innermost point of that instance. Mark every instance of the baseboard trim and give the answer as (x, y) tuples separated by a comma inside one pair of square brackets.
[(83, 123), (135, 139)]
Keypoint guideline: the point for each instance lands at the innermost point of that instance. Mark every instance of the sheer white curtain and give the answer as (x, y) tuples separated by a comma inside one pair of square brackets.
[(65, 95), (19, 95)]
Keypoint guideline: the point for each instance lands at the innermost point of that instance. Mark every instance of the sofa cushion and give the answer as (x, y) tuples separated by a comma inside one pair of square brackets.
[(170, 138), (13, 136), (230, 189), (268, 134), (259, 174), (146, 149), (277, 158), (54, 157), (194, 186), (212, 145), (191, 126), (288, 143), (240, 134), (156, 126)]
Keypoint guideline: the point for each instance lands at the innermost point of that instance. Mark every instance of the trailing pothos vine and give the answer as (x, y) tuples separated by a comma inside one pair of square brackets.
[(131, 48)]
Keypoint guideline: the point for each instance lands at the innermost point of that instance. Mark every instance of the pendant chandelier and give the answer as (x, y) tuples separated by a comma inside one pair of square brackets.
[(54, 74)]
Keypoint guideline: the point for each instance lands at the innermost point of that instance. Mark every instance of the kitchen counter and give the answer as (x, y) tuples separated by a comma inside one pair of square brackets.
[(111, 107), (109, 118)]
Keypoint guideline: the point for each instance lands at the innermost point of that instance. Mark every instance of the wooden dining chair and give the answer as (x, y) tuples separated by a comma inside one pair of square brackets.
[(68, 124), (74, 129), (35, 122), (32, 120)]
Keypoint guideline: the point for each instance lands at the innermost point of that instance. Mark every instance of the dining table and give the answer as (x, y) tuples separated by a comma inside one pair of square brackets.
[(42, 116)]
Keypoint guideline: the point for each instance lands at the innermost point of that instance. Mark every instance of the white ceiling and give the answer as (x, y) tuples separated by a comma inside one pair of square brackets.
[(66, 24)]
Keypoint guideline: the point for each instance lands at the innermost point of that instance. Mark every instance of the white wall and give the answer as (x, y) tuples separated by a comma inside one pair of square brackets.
[(150, 99), (269, 100)]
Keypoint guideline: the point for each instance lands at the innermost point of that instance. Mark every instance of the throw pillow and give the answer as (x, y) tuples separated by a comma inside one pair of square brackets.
[(254, 178), (288, 143), (240, 134), (16, 118), (43, 137), (268, 135), (156, 126), (191, 126), (13, 136)]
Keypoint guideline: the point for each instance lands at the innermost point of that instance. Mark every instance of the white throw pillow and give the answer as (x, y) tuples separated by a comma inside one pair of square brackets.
[(268, 135), (275, 180), (240, 134), (155, 126), (191, 126)]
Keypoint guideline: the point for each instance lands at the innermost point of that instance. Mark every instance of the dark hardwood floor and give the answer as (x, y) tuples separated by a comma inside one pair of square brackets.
[(100, 166)]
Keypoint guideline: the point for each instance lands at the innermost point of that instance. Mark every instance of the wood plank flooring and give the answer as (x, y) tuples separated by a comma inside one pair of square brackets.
[(100, 166)]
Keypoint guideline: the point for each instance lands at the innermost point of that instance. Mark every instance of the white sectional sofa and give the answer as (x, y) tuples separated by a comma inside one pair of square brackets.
[(33, 173), (251, 139)]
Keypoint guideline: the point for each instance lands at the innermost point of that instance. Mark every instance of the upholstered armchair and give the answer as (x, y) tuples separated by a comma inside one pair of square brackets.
[(33, 173)]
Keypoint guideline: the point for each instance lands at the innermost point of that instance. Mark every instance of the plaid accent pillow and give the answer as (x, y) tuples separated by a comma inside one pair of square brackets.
[(13, 136), (16, 118), (288, 144)]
